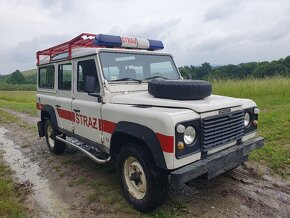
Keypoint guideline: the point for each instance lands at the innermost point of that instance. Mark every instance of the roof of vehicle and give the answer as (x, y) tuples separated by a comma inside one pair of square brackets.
[(88, 44)]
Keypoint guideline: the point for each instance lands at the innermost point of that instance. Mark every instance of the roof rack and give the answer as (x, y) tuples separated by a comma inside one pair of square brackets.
[(88, 40), (83, 40)]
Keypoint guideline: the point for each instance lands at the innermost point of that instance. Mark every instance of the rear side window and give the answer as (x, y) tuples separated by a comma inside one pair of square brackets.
[(64, 76), (87, 67), (46, 77)]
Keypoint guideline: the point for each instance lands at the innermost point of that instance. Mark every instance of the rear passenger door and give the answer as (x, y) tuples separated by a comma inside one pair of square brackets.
[(46, 91), (64, 96), (87, 109)]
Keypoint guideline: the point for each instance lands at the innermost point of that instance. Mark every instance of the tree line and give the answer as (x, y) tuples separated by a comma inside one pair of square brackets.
[(18, 78), (241, 71), (17, 81), (205, 71)]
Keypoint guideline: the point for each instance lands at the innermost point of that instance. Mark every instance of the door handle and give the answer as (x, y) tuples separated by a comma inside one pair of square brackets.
[(76, 110), (57, 105)]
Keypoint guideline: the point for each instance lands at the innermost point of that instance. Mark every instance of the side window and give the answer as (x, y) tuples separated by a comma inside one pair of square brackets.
[(64, 76), (87, 67), (46, 77)]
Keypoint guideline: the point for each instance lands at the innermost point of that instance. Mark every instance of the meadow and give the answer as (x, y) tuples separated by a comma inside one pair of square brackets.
[(19, 87), (22, 101), (272, 96)]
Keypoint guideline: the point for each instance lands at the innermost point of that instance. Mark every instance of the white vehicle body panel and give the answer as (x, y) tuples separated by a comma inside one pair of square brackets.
[(120, 103), (213, 102)]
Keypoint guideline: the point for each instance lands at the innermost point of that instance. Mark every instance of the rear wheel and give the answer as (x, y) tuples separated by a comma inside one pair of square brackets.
[(54, 145), (143, 185)]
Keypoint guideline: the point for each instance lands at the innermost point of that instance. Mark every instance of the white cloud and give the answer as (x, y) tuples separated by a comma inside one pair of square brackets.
[(221, 10), (219, 32)]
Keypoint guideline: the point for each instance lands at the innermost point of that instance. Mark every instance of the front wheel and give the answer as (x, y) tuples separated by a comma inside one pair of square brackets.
[(54, 145), (143, 185)]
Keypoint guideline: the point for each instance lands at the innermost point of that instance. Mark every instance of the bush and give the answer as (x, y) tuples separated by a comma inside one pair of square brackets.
[(4, 86)]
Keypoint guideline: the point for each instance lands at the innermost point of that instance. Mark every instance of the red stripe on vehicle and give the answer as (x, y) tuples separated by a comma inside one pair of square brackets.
[(107, 126), (68, 115), (166, 142), (39, 106)]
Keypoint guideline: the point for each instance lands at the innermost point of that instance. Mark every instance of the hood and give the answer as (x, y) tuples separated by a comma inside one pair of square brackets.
[(213, 102)]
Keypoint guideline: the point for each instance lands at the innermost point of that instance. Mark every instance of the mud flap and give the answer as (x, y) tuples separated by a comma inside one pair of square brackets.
[(40, 126)]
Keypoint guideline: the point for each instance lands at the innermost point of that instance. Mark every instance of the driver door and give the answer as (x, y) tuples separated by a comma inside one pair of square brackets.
[(87, 109)]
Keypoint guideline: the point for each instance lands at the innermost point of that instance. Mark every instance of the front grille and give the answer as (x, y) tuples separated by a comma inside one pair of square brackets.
[(222, 129)]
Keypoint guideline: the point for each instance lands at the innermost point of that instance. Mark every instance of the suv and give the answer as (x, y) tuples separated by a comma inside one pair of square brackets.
[(118, 97)]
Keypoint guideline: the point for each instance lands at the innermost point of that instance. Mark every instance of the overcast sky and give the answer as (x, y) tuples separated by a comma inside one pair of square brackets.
[(194, 31)]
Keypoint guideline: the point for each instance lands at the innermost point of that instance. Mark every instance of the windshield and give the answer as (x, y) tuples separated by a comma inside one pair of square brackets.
[(137, 67)]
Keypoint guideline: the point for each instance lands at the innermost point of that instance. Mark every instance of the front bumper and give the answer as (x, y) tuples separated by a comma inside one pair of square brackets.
[(217, 163)]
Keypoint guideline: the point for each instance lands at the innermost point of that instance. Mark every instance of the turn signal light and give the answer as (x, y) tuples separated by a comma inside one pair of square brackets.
[(180, 145), (255, 122)]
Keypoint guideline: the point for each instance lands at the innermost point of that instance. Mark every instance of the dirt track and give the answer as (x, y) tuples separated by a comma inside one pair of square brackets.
[(72, 185)]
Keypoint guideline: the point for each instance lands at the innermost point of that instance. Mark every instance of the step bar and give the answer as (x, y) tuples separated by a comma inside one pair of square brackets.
[(93, 157)]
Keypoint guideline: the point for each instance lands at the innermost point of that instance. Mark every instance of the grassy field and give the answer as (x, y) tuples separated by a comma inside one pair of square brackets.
[(19, 87), (271, 95), (22, 101), (273, 98), (9, 205)]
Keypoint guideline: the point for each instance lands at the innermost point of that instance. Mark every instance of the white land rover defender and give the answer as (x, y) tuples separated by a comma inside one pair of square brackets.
[(117, 97)]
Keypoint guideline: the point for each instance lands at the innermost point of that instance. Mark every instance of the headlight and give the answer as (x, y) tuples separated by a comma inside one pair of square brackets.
[(189, 135), (247, 119)]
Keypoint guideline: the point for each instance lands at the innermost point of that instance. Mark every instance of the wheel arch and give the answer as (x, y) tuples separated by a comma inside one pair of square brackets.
[(48, 111), (128, 132)]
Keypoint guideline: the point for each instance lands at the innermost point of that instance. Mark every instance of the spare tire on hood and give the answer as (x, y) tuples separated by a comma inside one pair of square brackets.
[(179, 89)]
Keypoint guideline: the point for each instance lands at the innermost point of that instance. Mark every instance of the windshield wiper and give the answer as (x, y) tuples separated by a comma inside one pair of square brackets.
[(154, 77), (128, 79)]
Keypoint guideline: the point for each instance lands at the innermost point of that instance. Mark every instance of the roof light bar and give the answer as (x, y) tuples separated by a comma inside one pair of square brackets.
[(127, 42)]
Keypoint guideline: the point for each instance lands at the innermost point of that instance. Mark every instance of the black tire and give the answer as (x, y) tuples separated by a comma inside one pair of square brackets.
[(56, 147), (156, 179), (179, 89)]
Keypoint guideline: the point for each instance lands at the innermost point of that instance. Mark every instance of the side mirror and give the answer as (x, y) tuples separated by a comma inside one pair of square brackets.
[(90, 87), (90, 84)]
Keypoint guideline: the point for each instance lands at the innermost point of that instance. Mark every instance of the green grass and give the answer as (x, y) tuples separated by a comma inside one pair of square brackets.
[(9, 205), (22, 101), (20, 87), (272, 96)]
